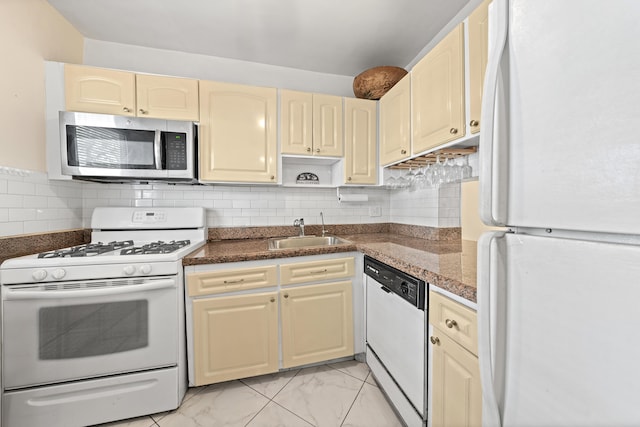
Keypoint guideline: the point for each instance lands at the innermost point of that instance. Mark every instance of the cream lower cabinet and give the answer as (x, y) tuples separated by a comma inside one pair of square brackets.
[(235, 337), (317, 323), (456, 394), (238, 135), (242, 317), (360, 159)]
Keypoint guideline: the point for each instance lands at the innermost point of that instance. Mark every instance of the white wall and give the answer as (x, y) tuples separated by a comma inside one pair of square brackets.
[(159, 61)]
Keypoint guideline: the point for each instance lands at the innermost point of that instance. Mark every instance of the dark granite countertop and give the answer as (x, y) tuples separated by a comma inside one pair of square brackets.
[(448, 264)]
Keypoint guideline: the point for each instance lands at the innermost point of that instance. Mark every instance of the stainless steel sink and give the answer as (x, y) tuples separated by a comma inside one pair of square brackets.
[(305, 242)]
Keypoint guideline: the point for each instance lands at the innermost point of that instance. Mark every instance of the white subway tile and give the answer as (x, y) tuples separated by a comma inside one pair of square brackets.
[(11, 201), (11, 228), (4, 215)]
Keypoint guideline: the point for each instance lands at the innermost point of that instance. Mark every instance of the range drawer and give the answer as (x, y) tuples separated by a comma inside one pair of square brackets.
[(221, 281), (312, 271), (455, 320)]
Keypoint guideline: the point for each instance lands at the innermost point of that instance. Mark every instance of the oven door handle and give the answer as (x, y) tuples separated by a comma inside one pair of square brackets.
[(20, 294)]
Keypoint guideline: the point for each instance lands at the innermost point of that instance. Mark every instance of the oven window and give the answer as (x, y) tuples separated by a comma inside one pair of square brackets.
[(73, 331)]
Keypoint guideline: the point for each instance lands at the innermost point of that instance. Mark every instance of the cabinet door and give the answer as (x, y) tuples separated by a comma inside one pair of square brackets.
[(327, 125), (395, 123), (235, 337), (478, 31), (97, 90), (437, 88), (167, 97), (317, 323), (456, 396), (360, 165), (296, 122), (237, 133)]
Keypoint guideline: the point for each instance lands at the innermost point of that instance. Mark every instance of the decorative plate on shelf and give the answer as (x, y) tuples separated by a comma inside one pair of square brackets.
[(307, 178)]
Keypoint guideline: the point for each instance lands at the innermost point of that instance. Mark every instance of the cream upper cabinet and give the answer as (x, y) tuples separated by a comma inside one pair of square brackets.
[(311, 124), (317, 323), (238, 136), (235, 337), (456, 396), (437, 93), (478, 33), (327, 125), (360, 165), (296, 115), (395, 123), (167, 97), (99, 90)]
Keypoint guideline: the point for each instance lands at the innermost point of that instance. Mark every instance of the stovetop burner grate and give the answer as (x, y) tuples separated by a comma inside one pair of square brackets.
[(158, 247), (90, 249)]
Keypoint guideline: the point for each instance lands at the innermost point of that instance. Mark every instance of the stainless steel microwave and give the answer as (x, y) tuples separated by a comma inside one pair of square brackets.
[(101, 147)]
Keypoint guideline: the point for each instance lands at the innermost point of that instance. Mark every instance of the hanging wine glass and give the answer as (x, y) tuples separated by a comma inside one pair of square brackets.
[(466, 169)]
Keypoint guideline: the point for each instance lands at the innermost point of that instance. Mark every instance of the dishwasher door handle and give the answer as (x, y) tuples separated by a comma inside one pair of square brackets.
[(387, 290)]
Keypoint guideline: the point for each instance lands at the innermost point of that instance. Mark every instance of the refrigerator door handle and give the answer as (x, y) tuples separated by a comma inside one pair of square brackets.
[(488, 274), (492, 212)]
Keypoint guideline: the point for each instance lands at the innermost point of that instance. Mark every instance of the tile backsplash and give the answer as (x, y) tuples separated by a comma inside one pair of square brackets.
[(30, 203)]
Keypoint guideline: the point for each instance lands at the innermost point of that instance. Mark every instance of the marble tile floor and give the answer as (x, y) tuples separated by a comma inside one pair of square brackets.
[(335, 395)]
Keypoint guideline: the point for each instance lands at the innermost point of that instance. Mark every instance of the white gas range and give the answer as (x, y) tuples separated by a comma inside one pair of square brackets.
[(95, 333)]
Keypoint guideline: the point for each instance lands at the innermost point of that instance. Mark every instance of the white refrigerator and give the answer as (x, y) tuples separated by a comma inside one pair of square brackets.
[(559, 293)]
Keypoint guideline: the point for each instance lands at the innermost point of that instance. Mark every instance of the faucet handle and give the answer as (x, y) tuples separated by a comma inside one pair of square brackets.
[(298, 222)]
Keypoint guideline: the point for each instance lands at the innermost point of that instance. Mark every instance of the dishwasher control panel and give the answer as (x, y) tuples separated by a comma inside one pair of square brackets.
[(393, 280)]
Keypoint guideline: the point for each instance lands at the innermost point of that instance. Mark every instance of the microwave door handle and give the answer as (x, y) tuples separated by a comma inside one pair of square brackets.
[(18, 294), (157, 149)]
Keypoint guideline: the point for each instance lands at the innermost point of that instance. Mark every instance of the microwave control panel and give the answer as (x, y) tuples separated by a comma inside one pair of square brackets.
[(175, 151)]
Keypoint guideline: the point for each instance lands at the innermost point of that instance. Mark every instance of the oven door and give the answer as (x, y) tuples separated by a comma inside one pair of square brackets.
[(74, 330)]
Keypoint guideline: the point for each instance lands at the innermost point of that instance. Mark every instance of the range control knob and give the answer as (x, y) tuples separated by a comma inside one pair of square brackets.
[(39, 275), (404, 288), (59, 273), (145, 269), (129, 270)]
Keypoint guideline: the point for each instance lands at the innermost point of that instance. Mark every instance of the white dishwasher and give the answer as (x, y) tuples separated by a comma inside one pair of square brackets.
[(396, 338)]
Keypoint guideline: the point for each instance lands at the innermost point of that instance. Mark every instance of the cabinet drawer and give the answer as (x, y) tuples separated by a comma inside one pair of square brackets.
[(312, 271), (217, 282), (455, 320)]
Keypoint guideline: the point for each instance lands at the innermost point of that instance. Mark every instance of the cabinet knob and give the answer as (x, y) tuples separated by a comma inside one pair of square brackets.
[(453, 131), (348, 178), (272, 299), (126, 110), (143, 111), (474, 123), (317, 150), (434, 340), (450, 323), (273, 177), (286, 295), (403, 151), (308, 149)]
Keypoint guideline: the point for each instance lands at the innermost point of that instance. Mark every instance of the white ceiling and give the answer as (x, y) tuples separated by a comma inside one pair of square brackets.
[(343, 37)]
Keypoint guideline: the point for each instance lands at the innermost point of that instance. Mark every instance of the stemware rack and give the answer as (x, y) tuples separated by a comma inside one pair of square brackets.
[(431, 158)]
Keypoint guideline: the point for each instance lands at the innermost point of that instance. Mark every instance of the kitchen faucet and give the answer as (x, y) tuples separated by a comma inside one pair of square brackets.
[(299, 223), (322, 219)]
